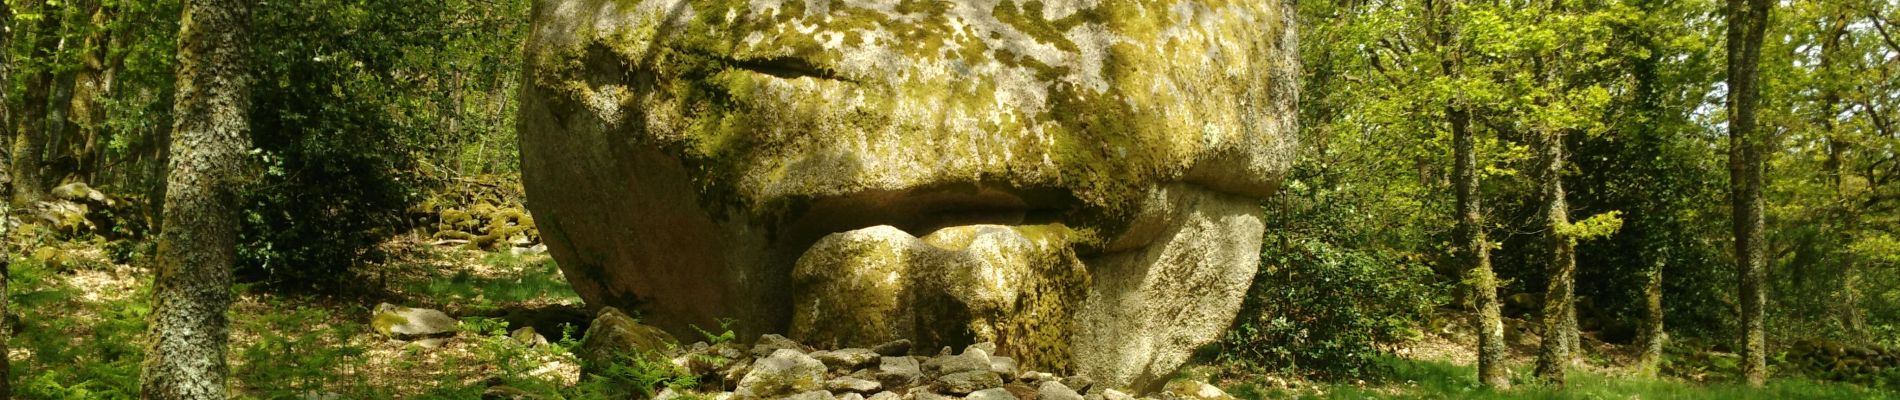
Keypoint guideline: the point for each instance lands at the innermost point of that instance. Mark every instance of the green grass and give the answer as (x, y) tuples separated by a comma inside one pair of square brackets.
[(519, 280), (88, 343), (1411, 379)]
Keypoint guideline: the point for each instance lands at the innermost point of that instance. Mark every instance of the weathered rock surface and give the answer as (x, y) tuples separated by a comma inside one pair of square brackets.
[(972, 359), (899, 347), (408, 323), (991, 394), (846, 359), (796, 371), (1053, 390), (899, 371), (526, 335), (615, 334), (852, 384), (967, 381), (1075, 181), (772, 343), (1194, 390), (785, 372)]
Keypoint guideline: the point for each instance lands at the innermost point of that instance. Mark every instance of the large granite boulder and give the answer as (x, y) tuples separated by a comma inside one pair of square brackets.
[(1076, 181)]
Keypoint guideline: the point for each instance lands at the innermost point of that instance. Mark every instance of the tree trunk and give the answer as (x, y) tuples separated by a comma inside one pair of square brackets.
[(1650, 361), (196, 250), (6, 69), (58, 131), (1747, 22), (6, 213), (91, 84), (1474, 252), (1560, 318), (6, 81), (30, 140), (1844, 210)]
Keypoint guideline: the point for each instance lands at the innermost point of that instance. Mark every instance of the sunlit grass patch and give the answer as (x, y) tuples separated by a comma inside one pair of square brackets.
[(1419, 379), (498, 279)]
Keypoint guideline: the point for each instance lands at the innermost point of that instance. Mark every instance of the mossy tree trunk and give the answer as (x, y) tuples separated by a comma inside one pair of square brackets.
[(6, 75), (1560, 318), (78, 158), (198, 245), (1474, 252), (1747, 23), (1649, 362), (30, 140), (59, 130), (6, 252)]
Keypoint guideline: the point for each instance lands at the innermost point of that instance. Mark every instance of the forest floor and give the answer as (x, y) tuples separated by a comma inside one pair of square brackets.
[(1449, 371), (81, 326)]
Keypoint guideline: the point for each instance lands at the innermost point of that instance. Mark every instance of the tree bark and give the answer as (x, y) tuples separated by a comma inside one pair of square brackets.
[(196, 250), (6, 69), (59, 130), (1650, 361), (6, 79), (1560, 318), (1747, 23), (78, 160), (1474, 251), (6, 213), (30, 140)]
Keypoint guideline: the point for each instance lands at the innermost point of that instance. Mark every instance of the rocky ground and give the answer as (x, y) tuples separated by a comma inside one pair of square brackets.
[(777, 367)]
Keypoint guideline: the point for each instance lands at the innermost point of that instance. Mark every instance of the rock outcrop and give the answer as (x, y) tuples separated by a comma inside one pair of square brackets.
[(1074, 181)]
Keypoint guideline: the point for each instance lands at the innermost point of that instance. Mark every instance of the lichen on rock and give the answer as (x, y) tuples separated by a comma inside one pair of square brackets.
[(947, 172)]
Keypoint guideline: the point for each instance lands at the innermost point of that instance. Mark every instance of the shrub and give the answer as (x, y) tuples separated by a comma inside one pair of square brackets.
[(1323, 311)]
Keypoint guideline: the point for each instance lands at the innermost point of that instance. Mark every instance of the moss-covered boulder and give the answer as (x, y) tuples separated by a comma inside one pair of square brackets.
[(615, 336), (784, 373), (410, 323), (1075, 180)]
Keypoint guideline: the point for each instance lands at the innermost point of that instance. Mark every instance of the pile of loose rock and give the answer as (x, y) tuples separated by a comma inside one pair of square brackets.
[(480, 212), (1842, 362), (776, 367)]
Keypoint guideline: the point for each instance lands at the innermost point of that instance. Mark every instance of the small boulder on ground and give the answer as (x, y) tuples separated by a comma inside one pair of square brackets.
[(504, 392), (786, 372), (1053, 390), (968, 381), (851, 384), (527, 336), (615, 334), (972, 359), (898, 371), (409, 323), (991, 394), (845, 359), (1195, 390), (899, 347), (771, 343)]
